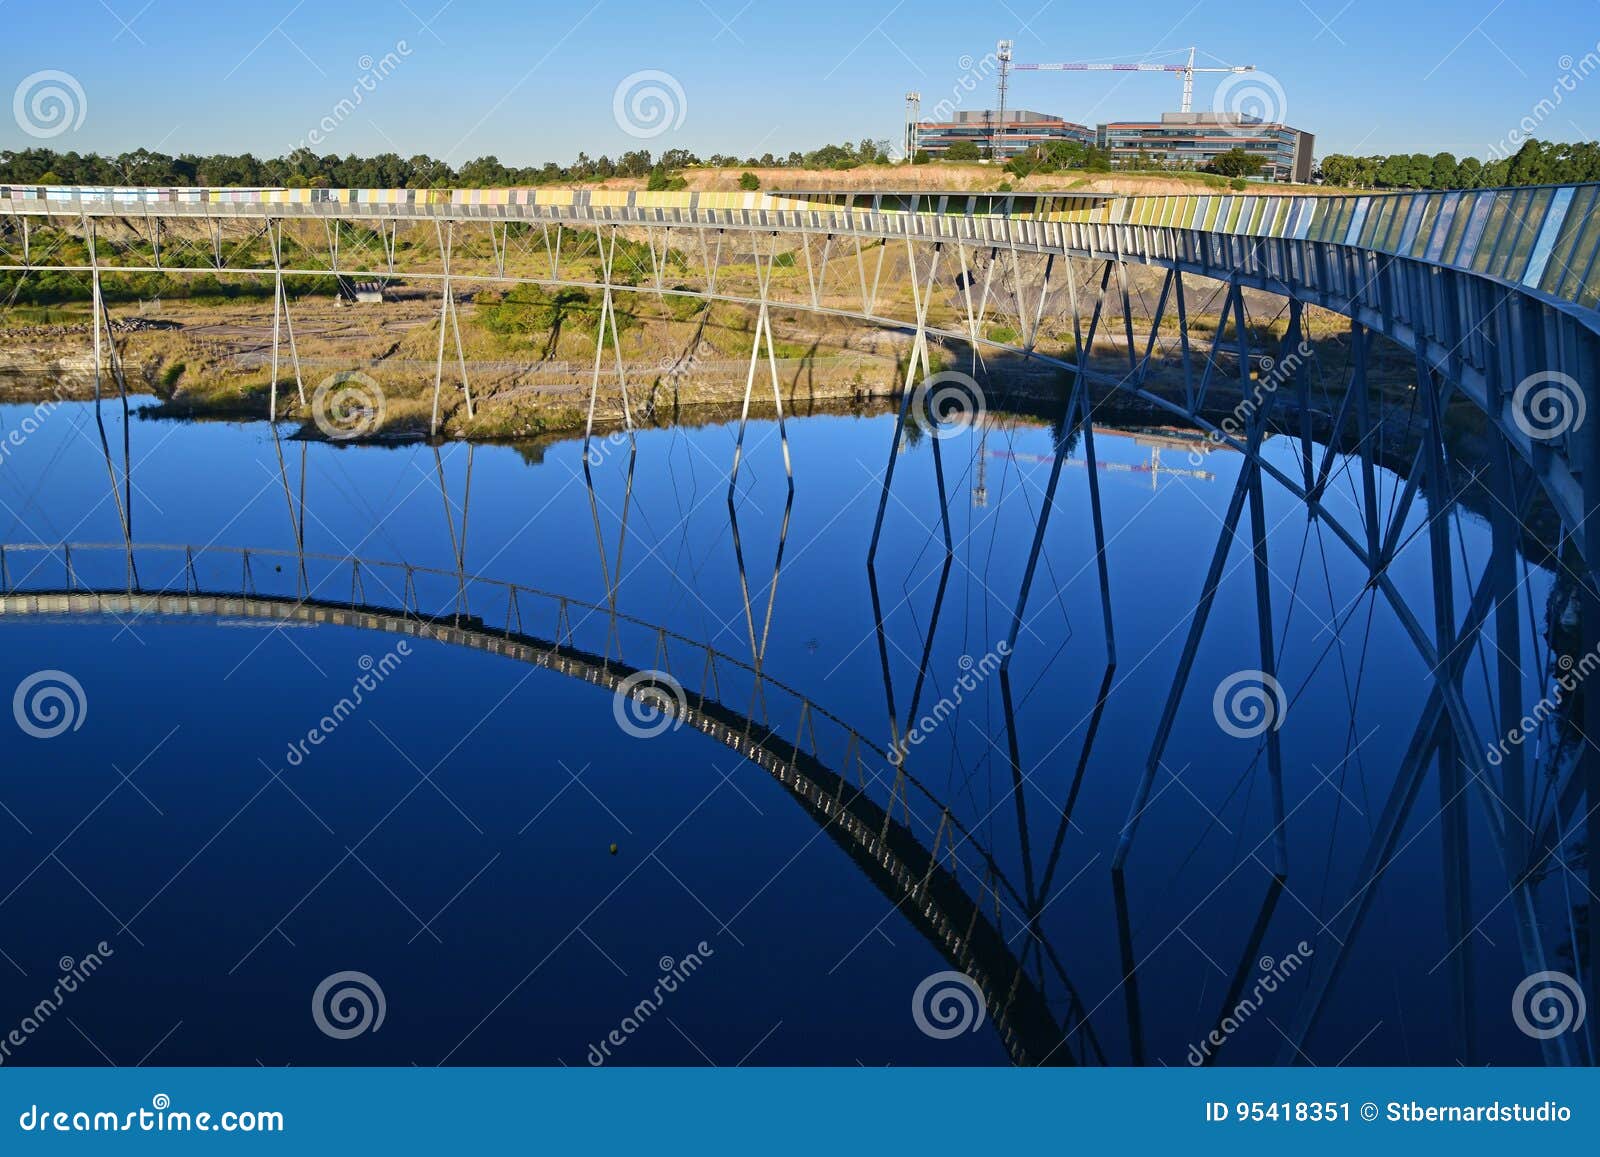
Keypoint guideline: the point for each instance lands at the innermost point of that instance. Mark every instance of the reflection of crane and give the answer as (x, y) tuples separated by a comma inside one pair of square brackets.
[(1155, 467), (1188, 70)]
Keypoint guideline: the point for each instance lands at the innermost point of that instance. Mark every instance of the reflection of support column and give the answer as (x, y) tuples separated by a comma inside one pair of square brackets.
[(1587, 440), (100, 323), (458, 543), (1452, 784), (758, 646), (918, 356), (1388, 826), (1269, 657), (1248, 966), (1077, 404), (1366, 445), (612, 588), (1208, 594), (1508, 647), (880, 627), (297, 518)]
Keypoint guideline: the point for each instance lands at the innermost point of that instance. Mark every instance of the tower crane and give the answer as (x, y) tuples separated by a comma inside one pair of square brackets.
[(1188, 70)]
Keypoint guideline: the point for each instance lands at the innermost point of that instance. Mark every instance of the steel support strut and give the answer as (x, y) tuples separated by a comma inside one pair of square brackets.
[(763, 328)]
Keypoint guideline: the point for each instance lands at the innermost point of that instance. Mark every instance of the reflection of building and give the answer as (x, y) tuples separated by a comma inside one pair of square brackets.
[(1023, 128), (1191, 140)]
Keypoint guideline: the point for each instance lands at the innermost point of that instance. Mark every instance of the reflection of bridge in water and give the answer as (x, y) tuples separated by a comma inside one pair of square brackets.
[(905, 840), (1491, 293)]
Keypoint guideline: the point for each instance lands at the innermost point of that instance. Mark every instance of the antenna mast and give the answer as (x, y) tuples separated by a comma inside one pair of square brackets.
[(1002, 54)]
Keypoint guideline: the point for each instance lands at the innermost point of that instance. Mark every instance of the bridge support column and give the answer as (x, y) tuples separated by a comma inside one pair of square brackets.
[(608, 317), (448, 320), (763, 330), (281, 321)]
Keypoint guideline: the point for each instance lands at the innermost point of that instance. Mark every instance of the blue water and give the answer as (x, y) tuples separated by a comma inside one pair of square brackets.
[(452, 838)]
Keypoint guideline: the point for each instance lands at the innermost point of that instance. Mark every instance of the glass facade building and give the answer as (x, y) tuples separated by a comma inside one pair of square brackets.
[(1193, 140), (1023, 129)]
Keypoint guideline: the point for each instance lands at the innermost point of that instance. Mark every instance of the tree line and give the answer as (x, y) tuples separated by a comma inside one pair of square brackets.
[(1534, 163), (304, 168)]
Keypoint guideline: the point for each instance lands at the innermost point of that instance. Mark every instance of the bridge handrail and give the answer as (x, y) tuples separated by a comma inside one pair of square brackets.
[(1541, 237)]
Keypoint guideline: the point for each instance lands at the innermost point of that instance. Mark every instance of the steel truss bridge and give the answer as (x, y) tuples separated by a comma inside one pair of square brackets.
[(1491, 293)]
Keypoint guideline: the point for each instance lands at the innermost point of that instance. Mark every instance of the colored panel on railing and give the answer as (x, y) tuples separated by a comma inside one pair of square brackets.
[(1306, 209), (1545, 244), (1571, 255), (1488, 233), (1439, 231), (1414, 220), (1528, 211), (1358, 221)]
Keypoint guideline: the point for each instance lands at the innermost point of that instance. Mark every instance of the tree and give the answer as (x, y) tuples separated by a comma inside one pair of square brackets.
[(921, 157), (749, 182), (1338, 169), (963, 151), (1442, 171), (1235, 163), (1394, 172), (1530, 166), (661, 181)]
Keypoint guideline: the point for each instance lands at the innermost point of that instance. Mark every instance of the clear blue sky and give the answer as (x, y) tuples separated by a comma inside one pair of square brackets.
[(534, 81)]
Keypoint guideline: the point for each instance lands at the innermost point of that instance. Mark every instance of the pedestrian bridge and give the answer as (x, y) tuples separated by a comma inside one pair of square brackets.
[(1491, 292), (1486, 287)]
